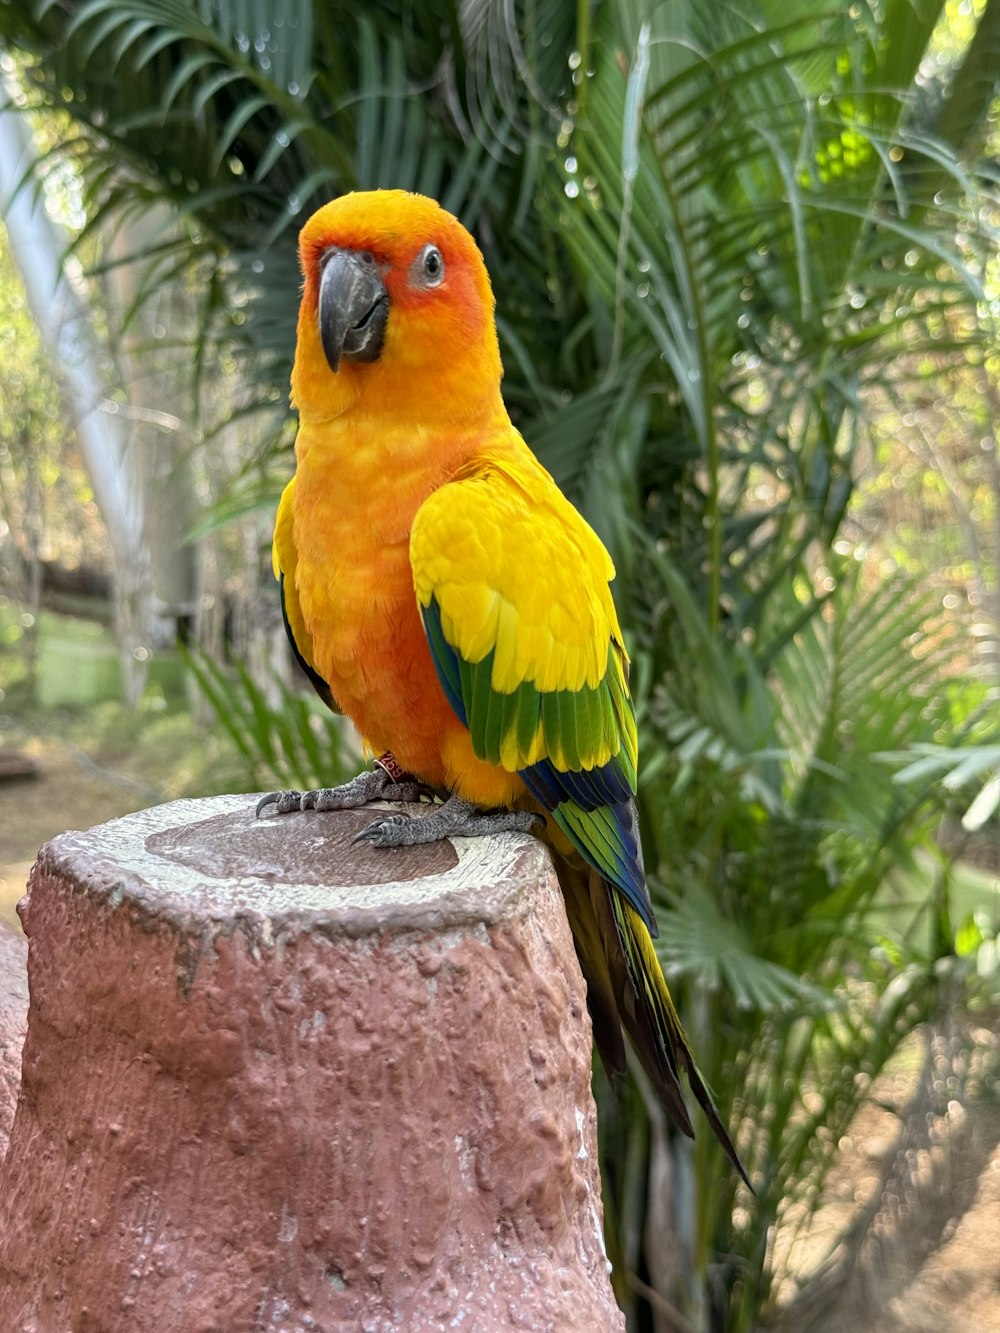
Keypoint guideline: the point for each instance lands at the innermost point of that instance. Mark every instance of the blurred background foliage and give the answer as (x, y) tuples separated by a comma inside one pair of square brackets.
[(747, 286)]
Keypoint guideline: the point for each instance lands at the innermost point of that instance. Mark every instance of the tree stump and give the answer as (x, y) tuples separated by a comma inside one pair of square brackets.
[(276, 1082)]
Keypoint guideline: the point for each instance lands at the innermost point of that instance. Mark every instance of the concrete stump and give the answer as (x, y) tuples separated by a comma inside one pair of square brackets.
[(275, 1082)]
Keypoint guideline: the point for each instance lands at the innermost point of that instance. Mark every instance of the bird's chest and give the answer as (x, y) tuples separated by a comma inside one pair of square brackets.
[(355, 588)]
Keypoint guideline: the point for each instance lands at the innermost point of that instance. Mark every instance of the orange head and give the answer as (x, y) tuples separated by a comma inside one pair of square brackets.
[(396, 313)]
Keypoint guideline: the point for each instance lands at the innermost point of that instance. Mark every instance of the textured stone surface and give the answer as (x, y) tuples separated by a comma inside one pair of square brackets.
[(13, 1021), (274, 1082)]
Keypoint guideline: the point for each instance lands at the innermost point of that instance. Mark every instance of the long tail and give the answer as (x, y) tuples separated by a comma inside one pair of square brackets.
[(626, 988)]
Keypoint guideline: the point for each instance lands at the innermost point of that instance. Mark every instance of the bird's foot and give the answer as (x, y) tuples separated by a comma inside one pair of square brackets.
[(385, 782), (456, 818)]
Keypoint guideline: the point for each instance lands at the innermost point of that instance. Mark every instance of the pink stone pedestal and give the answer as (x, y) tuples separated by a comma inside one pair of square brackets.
[(275, 1082)]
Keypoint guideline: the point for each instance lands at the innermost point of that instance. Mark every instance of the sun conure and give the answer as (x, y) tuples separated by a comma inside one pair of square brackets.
[(439, 589)]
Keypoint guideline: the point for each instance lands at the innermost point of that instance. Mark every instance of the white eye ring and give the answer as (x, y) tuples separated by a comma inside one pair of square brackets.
[(428, 267)]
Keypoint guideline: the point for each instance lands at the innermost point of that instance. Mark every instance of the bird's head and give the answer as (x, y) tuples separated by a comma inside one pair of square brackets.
[(396, 309)]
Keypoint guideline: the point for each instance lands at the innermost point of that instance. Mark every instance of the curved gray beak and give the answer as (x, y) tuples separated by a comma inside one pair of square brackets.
[(353, 308)]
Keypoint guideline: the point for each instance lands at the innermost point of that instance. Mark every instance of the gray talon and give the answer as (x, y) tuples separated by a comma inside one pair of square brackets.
[(283, 802), (372, 785), (456, 818), (380, 834)]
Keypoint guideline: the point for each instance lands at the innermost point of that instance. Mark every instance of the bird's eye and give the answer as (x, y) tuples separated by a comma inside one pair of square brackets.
[(429, 267)]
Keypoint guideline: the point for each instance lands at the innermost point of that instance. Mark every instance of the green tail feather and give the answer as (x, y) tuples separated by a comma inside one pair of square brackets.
[(648, 1015)]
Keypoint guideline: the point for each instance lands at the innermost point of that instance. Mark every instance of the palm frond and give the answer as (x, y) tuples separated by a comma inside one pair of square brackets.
[(286, 741)]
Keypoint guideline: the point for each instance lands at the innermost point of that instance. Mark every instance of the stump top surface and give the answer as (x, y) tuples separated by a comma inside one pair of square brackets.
[(213, 859)]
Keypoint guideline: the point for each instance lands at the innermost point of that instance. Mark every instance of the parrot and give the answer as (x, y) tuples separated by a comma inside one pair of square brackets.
[(439, 590)]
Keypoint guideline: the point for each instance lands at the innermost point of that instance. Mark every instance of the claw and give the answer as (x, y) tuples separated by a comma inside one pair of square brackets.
[(265, 801), (376, 833), (283, 801)]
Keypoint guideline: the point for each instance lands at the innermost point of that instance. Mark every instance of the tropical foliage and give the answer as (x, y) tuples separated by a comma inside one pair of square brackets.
[(718, 236), (285, 738)]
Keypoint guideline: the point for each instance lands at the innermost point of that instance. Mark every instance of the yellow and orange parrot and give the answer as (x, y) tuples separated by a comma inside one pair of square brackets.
[(439, 589)]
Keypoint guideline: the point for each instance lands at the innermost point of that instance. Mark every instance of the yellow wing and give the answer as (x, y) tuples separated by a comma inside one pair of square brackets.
[(513, 589)]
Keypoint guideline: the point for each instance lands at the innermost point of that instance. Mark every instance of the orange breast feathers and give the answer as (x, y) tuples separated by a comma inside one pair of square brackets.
[(354, 587)]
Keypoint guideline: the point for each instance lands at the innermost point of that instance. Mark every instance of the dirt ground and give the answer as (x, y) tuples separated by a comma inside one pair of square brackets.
[(96, 766), (928, 1258), (922, 1194), (69, 792)]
